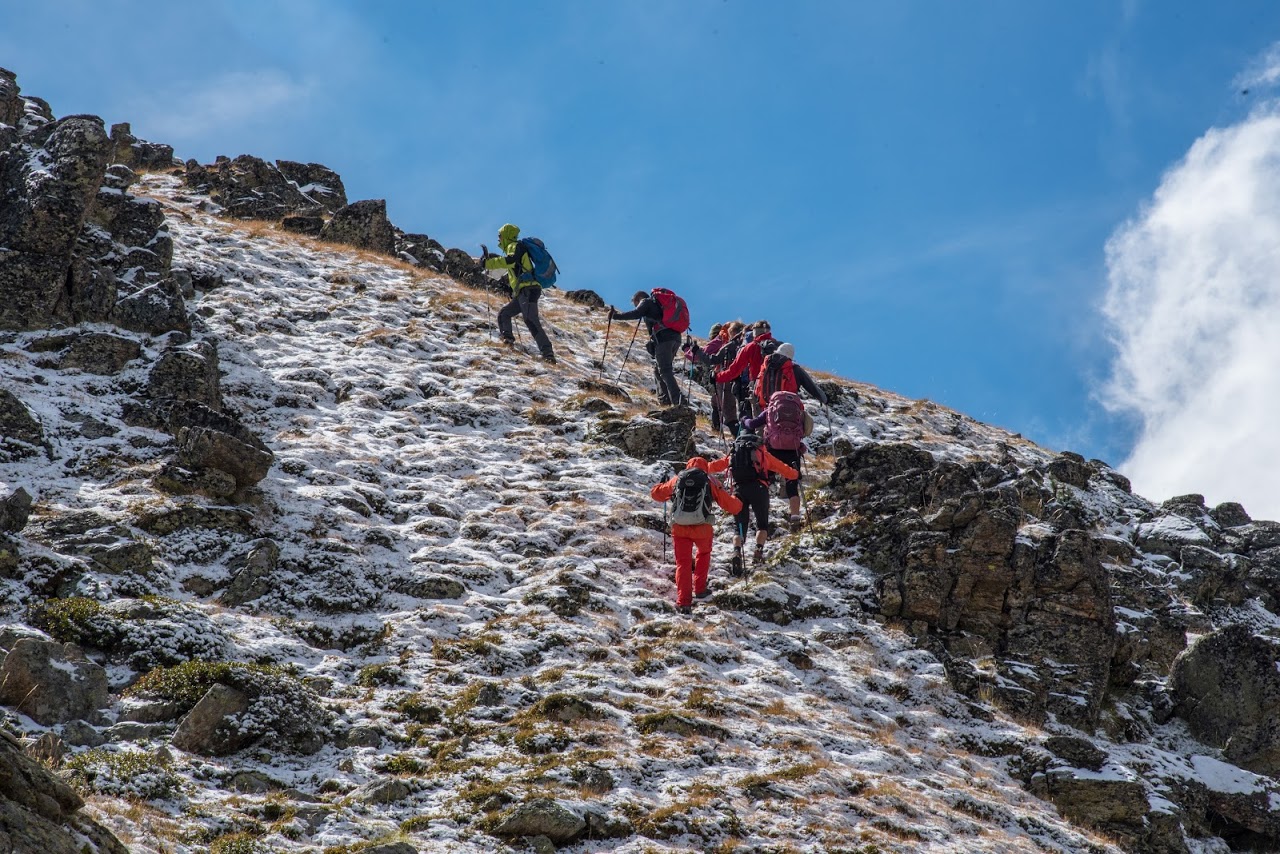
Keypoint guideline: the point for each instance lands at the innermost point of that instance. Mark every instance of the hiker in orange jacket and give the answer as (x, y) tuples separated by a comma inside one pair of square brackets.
[(752, 490), (692, 527)]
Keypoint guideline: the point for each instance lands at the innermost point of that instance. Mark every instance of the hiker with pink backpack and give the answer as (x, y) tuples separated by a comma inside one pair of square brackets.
[(783, 416), (667, 317)]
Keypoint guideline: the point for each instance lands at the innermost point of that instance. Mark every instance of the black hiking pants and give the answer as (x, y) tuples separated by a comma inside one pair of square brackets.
[(755, 502), (525, 303), (664, 353)]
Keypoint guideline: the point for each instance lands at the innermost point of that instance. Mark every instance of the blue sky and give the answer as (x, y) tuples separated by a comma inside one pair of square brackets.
[(919, 195)]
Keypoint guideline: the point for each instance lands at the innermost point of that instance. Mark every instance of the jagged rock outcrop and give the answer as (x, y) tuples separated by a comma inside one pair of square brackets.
[(1227, 688), (48, 181), (135, 153), (72, 237), (52, 682), (363, 225), (250, 188), (39, 812), (316, 182), (994, 573), (419, 250)]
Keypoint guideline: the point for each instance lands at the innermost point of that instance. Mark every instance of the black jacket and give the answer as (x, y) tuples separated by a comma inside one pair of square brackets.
[(651, 312)]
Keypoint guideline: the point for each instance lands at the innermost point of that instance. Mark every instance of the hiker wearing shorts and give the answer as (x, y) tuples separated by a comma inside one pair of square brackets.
[(751, 487)]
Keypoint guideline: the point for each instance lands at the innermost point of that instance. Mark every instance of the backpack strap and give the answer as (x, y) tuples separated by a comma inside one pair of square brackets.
[(520, 253)]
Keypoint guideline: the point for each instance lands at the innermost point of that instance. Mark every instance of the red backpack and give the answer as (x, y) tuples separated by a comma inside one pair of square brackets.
[(675, 313), (776, 374), (784, 421)]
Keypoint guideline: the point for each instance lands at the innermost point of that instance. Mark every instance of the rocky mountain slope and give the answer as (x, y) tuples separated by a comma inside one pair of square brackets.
[(298, 558)]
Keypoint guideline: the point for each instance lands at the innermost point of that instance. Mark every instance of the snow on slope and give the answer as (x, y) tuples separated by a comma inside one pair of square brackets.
[(412, 452)]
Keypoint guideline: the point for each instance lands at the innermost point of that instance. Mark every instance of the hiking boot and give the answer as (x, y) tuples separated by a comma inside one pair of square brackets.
[(757, 557), (738, 565), (549, 358), (702, 594), (797, 524), (686, 610), (508, 342)]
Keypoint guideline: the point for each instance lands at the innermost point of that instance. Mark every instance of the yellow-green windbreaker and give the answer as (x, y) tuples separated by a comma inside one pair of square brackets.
[(507, 236)]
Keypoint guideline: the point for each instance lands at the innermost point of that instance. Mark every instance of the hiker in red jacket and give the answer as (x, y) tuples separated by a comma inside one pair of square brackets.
[(750, 356), (691, 526), (749, 463)]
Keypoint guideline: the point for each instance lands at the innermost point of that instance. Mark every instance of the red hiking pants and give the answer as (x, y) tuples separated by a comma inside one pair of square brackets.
[(691, 575)]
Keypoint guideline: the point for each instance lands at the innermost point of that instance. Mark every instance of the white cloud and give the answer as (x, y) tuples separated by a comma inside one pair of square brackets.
[(230, 100), (1194, 309)]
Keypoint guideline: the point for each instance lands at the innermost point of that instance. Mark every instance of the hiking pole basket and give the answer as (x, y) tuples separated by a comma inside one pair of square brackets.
[(627, 355)]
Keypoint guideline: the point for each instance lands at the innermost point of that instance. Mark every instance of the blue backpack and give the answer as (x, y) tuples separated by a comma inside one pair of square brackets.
[(544, 266)]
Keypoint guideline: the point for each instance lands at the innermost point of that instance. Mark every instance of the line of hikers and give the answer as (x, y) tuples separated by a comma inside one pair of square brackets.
[(755, 387)]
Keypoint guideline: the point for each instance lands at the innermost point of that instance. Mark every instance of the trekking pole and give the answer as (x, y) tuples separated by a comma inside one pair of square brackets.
[(665, 530), (627, 355), (804, 505), (831, 431), (603, 353)]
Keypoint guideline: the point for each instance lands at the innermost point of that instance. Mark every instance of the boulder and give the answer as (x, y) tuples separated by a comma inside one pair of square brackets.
[(1226, 687), (364, 225), (665, 434), (1230, 514), (155, 310), (253, 572), (1071, 469), (189, 372), (311, 226), (207, 730), (51, 682), (20, 432), (39, 812), (541, 817), (99, 353), (202, 448), (589, 298), (15, 509)]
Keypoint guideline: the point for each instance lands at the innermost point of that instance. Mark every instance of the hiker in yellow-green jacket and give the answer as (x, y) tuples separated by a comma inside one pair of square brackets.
[(525, 291)]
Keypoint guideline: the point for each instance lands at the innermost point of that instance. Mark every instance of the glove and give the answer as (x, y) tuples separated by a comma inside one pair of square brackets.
[(648, 347), (696, 349), (613, 312), (484, 252)]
